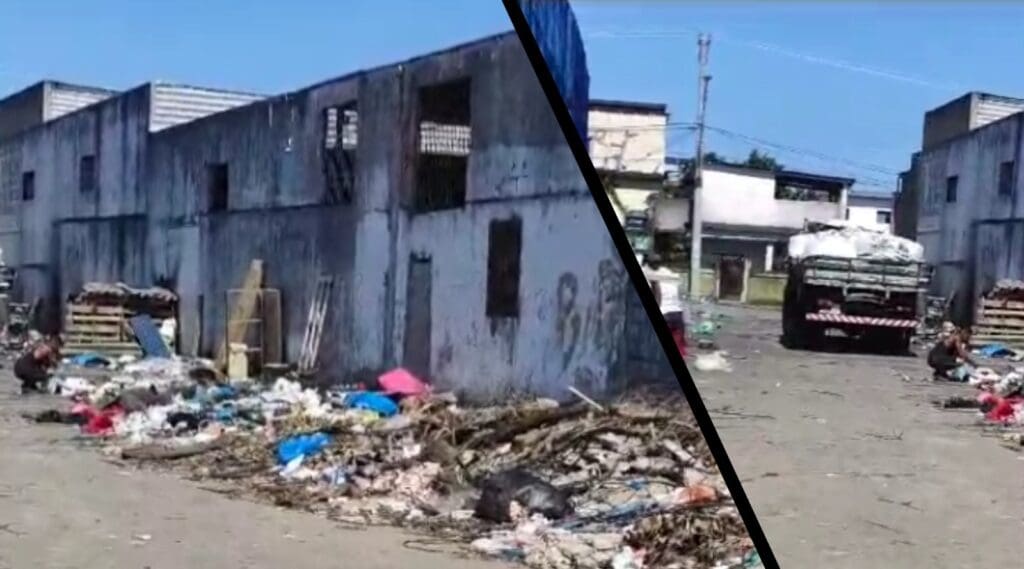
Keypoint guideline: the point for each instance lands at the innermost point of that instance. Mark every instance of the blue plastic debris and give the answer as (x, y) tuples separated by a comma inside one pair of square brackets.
[(149, 338), (301, 445), (380, 404), (90, 359), (995, 351)]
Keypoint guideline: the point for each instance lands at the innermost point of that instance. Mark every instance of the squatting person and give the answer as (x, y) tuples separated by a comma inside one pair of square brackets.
[(33, 367), (949, 355)]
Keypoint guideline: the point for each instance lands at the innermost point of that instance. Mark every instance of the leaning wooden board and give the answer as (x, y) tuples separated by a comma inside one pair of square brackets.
[(241, 312)]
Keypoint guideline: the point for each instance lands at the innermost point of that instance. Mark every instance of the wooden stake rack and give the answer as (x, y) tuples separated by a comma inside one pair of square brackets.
[(101, 329), (999, 321)]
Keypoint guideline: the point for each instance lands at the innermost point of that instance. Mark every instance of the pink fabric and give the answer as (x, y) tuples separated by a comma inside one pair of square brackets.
[(401, 381)]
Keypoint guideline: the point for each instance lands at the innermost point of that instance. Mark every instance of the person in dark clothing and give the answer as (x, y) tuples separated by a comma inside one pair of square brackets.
[(33, 367), (949, 355)]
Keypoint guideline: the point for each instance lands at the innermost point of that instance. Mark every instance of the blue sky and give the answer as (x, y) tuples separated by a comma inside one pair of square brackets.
[(257, 45), (849, 81)]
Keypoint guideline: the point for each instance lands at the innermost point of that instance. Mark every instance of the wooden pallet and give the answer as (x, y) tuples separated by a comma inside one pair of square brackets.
[(999, 321), (102, 329)]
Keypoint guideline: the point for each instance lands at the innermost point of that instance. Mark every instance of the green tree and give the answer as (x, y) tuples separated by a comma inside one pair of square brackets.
[(762, 161)]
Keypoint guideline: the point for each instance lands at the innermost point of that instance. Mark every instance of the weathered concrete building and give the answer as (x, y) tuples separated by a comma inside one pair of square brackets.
[(439, 192), (962, 198)]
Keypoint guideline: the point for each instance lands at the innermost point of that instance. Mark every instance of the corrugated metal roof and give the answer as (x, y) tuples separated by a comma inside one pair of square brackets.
[(64, 101), (991, 109), (178, 104)]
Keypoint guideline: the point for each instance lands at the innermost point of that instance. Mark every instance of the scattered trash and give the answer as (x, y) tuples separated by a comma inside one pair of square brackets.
[(535, 496), (715, 361), (402, 382), (301, 446)]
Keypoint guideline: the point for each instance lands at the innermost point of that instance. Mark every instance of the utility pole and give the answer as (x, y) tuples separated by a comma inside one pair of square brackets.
[(703, 45)]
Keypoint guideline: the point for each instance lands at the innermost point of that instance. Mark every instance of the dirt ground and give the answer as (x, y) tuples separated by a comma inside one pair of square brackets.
[(849, 465), (62, 506)]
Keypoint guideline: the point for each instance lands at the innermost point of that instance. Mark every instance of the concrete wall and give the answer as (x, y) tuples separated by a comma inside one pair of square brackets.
[(724, 189), (22, 110), (767, 289), (114, 132)]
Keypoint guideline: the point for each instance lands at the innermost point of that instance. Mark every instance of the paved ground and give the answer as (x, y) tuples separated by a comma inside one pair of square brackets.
[(64, 507), (849, 466)]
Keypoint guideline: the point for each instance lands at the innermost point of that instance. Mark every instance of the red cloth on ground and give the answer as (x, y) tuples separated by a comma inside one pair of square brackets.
[(97, 422)]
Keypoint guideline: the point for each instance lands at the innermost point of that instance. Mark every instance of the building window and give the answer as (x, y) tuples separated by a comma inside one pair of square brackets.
[(444, 146), (28, 186), (951, 186), (1006, 178), (217, 187), (87, 174), (883, 217), (341, 138), (505, 241)]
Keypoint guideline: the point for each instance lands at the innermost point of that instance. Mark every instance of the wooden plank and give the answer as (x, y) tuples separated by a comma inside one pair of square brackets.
[(995, 303), (91, 309), (995, 313), (272, 334), (242, 310)]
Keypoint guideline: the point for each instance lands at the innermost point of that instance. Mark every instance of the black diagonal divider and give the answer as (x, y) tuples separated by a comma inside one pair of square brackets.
[(618, 235)]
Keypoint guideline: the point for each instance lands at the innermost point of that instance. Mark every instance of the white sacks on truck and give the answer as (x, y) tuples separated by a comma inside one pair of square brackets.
[(850, 241)]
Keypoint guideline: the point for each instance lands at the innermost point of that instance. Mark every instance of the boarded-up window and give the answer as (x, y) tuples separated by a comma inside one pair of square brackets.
[(445, 139), (87, 174), (952, 184), (1006, 178), (505, 241), (341, 138), (218, 188), (28, 186)]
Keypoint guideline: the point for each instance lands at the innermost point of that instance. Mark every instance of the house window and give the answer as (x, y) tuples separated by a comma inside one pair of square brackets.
[(28, 186), (217, 187), (87, 174), (444, 145), (341, 138), (505, 241), (1006, 178), (883, 217), (951, 186)]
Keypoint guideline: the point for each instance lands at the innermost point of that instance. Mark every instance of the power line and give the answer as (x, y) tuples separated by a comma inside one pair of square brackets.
[(785, 52)]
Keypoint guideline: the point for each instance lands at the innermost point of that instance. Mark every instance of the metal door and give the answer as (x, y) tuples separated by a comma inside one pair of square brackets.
[(416, 355)]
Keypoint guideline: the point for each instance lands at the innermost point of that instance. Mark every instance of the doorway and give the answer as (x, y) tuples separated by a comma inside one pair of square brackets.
[(731, 281), (416, 354)]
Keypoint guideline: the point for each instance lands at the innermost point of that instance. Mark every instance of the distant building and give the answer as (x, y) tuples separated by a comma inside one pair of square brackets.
[(872, 210), (627, 146), (963, 197), (748, 217)]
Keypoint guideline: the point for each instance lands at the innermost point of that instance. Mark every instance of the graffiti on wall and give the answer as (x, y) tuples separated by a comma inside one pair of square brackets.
[(568, 321)]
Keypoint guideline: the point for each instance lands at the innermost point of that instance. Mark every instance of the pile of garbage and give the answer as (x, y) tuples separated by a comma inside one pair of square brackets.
[(845, 240), (546, 483)]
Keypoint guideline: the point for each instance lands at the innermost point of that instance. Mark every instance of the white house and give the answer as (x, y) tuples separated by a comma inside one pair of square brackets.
[(871, 210), (748, 216)]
